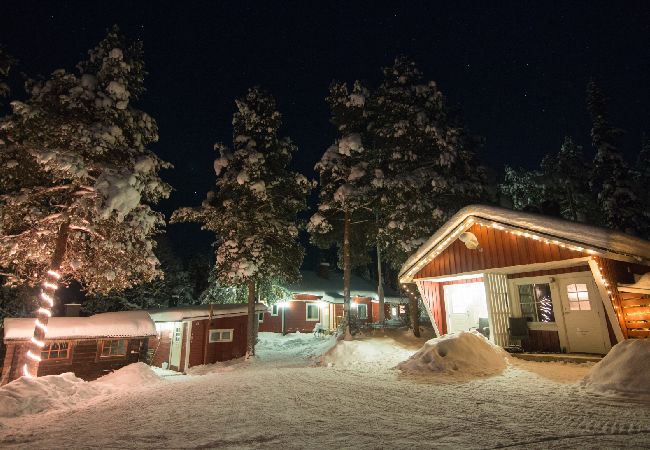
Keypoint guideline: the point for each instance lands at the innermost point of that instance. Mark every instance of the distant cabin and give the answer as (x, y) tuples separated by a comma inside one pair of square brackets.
[(88, 346), (544, 283), (189, 336), (318, 299)]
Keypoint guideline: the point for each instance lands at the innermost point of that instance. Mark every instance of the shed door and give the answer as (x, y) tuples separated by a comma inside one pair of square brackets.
[(465, 305), (583, 312), (175, 348)]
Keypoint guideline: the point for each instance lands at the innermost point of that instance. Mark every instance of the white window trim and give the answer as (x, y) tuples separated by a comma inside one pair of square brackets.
[(307, 305), (364, 306), (260, 317), (276, 308), (220, 331)]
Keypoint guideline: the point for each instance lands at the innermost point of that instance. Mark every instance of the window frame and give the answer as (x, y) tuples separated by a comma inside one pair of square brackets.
[(313, 305), (102, 342), (578, 301), (275, 308), (49, 344), (365, 308), (536, 302), (260, 317), (212, 331)]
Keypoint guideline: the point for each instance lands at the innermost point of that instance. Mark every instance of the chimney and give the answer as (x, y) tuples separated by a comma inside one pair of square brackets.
[(72, 309), (324, 270)]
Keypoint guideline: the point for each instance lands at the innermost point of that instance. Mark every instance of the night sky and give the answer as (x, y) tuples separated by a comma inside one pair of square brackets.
[(516, 69)]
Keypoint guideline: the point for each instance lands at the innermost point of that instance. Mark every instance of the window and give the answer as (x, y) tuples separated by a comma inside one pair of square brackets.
[(578, 297), (56, 350), (313, 311), (274, 310), (260, 317), (362, 311), (535, 301), (220, 335), (112, 347)]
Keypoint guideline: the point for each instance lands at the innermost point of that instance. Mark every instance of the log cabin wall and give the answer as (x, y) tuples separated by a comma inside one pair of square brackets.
[(498, 249), (217, 351), (84, 360)]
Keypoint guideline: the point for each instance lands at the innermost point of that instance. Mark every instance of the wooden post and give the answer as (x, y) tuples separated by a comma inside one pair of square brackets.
[(250, 335), (206, 337), (380, 287)]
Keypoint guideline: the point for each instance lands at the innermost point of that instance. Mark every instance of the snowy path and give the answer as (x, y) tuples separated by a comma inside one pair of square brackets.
[(350, 405)]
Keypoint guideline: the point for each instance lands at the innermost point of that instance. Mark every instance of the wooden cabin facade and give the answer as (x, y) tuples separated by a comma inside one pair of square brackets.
[(318, 299), (487, 267), (87, 346), (196, 335)]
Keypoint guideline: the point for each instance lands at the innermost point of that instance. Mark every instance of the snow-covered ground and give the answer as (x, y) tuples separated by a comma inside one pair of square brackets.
[(352, 397)]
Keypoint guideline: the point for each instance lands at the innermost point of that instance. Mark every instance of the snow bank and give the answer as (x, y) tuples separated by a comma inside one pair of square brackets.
[(363, 354), (33, 395), (463, 354), (136, 374), (273, 347), (623, 372)]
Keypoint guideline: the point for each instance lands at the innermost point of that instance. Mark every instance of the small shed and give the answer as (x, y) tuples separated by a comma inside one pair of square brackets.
[(547, 283), (193, 335), (318, 299), (88, 346)]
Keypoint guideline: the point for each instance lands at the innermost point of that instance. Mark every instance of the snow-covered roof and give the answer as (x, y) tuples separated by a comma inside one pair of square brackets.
[(641, 286), (111, 324), (595, 240), (201, 311), (331, 289)]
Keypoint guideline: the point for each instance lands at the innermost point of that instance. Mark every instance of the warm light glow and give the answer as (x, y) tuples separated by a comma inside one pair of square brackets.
[(37, 342), (26, 372), (41, 325), (283, 304), (47, 298), (54, 274), (45, 312), (33, 356), (49, 285)]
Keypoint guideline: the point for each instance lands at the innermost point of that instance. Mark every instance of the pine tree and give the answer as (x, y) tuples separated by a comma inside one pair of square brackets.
[(566, 184), (642, 183), (525, 188), (427, 166), (344, 206), (76, 178), (253, 210), (611, 178), (6, 63)]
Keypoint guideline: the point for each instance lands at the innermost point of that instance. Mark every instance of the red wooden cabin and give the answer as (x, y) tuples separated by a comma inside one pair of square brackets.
[(318, 299), (201, 334), (488, 266), (88, 346)]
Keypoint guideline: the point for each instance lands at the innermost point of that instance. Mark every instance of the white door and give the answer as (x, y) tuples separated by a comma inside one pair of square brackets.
[(464, 304), (583, 315), (176, 345)]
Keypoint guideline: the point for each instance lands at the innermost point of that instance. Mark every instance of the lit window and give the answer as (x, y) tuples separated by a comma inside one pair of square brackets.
[(56, 350), (535, 301), (274, 310), (221, 335), (578, 297), (260, 317), (112, 347), (313, 311), (362, 311)]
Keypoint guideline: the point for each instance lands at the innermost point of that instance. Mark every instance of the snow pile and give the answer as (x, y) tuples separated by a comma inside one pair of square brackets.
[(136, 374), (464, 353), (291, 348), (623, 372), (363, 354), (33, 395)]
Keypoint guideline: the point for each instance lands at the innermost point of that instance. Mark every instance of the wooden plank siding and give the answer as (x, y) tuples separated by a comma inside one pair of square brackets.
[(498, 249), (636, 313)]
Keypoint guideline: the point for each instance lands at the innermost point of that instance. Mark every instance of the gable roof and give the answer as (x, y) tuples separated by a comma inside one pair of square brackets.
[(124, 324), (575, 235), (331, 289), (202, 311)]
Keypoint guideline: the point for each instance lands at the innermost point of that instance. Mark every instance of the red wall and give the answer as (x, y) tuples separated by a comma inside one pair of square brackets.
[(217, 351)]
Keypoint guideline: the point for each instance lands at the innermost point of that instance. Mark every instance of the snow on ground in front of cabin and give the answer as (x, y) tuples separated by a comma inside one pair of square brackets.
[(623, 372), (361, 402)]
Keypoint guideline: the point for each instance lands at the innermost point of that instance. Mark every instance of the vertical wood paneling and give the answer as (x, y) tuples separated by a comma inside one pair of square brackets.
[(496, 289), (498, 249)]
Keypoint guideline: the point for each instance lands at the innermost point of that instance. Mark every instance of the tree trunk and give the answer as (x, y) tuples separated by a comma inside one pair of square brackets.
[(414, 313), (48, 289), (380, 287), (251, 335), (346, 275)]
